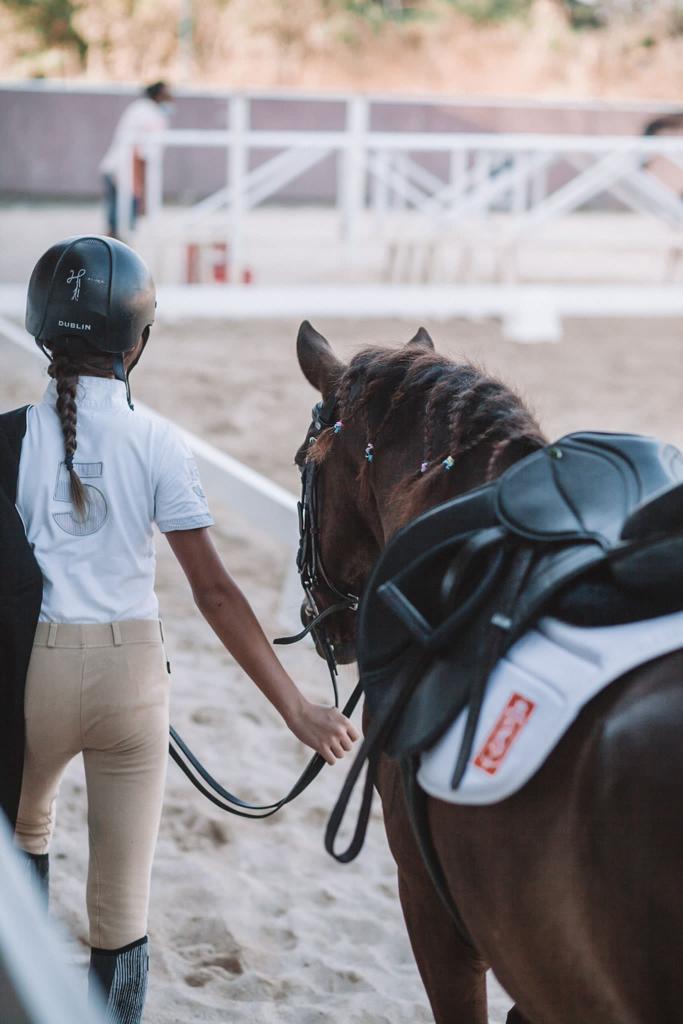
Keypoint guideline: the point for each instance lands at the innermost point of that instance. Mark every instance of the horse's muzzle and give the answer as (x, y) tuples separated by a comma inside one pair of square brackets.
[(344, 647)]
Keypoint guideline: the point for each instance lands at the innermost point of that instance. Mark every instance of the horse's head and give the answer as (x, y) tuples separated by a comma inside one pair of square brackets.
[(342, 528), (395, 432)]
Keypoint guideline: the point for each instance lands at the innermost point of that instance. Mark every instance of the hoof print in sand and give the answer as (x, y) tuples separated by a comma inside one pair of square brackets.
[(203, 974)]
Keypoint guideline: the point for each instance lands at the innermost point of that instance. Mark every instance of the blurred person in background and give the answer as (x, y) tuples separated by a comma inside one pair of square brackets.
[(668, 171), (146, 115)]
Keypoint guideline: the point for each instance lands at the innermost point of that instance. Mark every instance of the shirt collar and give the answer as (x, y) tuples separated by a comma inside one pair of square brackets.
[(93, 393)]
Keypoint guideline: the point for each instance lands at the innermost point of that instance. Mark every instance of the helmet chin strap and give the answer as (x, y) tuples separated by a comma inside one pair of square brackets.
[(119, 367), (120, 374)]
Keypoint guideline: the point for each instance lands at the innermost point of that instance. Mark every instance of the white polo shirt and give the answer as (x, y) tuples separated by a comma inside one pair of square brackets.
[(137, 471), (142, 117)]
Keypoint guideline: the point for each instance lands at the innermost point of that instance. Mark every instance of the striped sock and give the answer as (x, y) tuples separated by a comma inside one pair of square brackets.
[(122, 975)]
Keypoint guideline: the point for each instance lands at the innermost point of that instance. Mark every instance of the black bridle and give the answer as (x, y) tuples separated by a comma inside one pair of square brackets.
[(313, 578), (312, 573)]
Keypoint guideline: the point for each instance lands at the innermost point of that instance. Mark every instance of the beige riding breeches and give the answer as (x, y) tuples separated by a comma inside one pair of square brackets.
[(100, 690)]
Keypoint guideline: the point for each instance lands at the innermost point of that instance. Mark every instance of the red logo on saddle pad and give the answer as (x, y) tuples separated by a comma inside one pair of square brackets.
[(513, 718)]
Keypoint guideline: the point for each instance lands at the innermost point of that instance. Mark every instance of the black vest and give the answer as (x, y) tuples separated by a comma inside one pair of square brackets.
[(21, 590)]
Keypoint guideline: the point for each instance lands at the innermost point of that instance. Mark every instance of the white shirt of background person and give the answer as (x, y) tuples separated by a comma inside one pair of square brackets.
[(144, 116)]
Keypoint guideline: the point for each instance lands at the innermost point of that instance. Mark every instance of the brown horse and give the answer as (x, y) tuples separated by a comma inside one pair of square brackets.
[(571, 888)]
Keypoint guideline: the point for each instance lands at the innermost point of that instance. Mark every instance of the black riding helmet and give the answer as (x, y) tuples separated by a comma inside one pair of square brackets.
[(95, 289)]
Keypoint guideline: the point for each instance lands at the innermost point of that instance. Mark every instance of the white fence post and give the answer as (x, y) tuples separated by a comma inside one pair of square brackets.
[(124, 190), (539, 186), (457, 172), (153, 179), (520, 189), (353, 165), (237, 171), (380, 188)]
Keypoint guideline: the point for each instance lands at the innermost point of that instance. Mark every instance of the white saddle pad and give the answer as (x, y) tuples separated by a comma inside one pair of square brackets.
[(534, 694)]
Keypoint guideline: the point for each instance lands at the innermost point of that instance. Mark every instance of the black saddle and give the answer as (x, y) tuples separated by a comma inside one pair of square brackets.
[(596, 520), (589, 529)]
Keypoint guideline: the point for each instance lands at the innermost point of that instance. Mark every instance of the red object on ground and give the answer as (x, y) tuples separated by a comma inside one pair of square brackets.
[(220, 264), (221, 272), (192, 273)]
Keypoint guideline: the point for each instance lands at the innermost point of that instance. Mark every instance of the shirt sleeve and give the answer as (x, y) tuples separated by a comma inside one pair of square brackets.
[(179, 500)]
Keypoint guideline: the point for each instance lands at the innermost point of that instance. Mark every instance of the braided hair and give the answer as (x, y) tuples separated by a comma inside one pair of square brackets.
[(65, 376), (70, 358)]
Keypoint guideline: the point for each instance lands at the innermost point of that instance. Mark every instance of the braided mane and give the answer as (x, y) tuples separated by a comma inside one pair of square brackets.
[(458, 406)]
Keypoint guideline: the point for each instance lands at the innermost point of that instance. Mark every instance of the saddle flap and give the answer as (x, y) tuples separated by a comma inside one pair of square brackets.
[(653, 568), (662, 514), (436, 702), (576, 489), (418, 555)]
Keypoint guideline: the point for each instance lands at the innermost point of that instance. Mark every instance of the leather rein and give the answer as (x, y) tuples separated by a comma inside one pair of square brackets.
[(313, 578)]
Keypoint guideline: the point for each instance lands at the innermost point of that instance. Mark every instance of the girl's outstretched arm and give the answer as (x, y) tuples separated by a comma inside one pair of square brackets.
[(230, 615)]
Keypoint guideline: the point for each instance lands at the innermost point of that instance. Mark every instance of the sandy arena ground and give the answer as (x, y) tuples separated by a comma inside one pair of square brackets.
[(252, 923)]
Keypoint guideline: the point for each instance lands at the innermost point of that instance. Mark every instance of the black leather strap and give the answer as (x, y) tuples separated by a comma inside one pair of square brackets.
[(227, 801), (369, 753), (13, 427), (313, 624), (434, 640), (417, 803), (500, 633)]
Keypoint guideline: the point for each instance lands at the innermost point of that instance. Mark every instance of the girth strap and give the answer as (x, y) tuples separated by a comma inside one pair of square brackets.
[(416, 801)]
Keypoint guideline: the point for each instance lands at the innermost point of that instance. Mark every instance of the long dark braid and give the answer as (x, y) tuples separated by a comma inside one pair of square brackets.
[(66, 378)]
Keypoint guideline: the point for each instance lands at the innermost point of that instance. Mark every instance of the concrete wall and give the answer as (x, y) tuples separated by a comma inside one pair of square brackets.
[(52, 137)]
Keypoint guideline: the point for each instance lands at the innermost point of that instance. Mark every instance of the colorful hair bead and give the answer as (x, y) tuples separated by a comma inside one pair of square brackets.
[(369, 452), (424, 467), (448, 462), (338, 427)]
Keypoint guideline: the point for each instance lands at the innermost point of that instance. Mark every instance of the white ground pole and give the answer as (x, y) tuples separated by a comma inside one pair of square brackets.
[(529, 313), (259, 501), (36, 986)]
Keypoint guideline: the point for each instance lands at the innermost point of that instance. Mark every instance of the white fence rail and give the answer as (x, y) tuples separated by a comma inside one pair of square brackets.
[(532, 178)]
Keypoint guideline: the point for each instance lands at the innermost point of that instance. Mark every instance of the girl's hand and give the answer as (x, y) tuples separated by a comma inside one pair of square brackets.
[(324, 729)]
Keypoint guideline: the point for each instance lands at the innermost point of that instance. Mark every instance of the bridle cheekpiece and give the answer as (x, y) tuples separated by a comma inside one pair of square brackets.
[(310, 565)]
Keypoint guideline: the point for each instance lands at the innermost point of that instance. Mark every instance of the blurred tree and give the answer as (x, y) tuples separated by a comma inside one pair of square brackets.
[(492, 10), (600, 13), (51, 21), (476, 10)]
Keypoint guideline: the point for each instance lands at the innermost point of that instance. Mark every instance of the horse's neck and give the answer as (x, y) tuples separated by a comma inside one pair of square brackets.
[(468, 471)]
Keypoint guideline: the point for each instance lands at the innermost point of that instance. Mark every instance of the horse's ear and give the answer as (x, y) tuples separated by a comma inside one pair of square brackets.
[(422, 339), (318, 363)]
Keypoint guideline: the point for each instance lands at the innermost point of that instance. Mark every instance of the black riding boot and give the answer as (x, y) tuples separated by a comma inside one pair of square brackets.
[(40, 864), (122, 977)]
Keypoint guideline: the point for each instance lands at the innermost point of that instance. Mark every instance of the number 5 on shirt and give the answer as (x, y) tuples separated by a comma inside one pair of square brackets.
[(97, 503)]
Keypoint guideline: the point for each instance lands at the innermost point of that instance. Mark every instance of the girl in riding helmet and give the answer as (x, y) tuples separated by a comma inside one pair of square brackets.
[(82, 480)]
